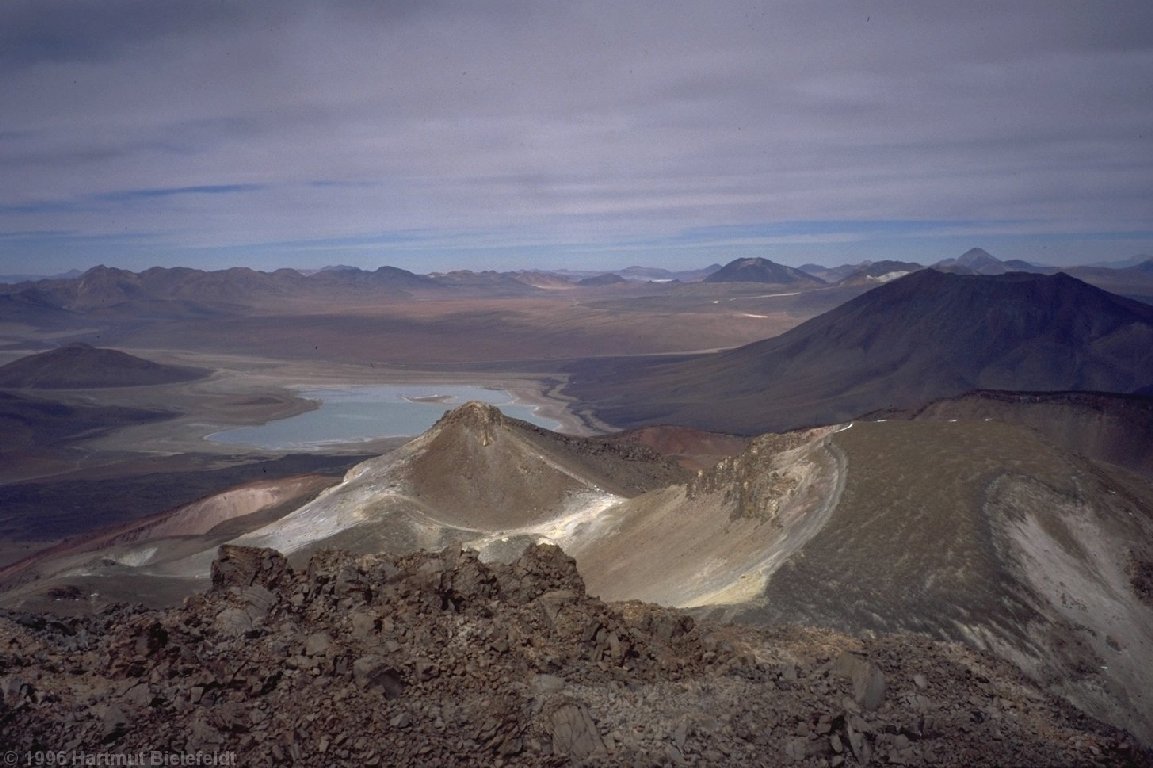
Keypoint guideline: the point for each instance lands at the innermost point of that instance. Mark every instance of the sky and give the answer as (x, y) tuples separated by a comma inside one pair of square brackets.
[(503, 134)]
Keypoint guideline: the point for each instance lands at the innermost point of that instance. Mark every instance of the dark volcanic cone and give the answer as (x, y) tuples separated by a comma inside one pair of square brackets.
[(922, 337)]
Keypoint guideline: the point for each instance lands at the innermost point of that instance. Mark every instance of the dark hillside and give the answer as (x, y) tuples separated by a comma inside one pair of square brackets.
[(924, 336), (1114, 428), (80, 366)]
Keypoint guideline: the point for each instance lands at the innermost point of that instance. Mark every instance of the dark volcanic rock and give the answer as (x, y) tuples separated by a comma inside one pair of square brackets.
[(439, 659), (244, 566), (574, 732), (868, 681)]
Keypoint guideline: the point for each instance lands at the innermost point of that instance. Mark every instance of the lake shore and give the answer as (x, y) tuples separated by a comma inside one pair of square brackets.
[(249, 391), (358, 413)]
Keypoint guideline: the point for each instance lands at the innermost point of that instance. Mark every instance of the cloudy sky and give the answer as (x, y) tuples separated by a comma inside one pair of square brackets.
[(433, 135)]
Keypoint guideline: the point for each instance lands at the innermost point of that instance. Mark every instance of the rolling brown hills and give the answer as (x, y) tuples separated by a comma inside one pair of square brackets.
[(476, 476), (925, 336)]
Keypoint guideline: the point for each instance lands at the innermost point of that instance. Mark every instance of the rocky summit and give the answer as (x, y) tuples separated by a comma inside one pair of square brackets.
[(441, 659)]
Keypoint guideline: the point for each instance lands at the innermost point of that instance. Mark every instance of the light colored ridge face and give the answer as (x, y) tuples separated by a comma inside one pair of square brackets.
[(718, 539), (1069, 554), (585, 516)]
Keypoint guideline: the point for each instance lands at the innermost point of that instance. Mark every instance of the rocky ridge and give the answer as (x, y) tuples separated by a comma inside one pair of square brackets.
[(441, 659)]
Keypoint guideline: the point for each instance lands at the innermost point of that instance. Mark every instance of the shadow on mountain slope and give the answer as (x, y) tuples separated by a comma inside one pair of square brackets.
[(924, 336)]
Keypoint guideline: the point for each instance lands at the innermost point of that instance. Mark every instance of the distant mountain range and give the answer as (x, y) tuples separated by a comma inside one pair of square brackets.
[(975, 261), (928, 335), (182, 292), (1132, 261), (656, 274), (25, 278), (103, 286)]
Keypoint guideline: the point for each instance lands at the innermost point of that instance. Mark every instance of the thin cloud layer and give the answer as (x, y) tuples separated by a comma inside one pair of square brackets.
[(306, 133)]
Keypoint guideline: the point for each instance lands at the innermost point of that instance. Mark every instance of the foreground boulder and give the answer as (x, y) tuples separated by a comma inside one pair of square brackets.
[(440, 659)]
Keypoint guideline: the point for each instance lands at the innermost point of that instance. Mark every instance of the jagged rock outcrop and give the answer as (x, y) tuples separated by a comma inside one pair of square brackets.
[(480, 420), (758, 482), (441, 659)]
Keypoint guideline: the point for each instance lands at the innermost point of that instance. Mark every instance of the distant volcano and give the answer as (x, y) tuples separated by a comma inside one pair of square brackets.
[(978, 261), (761, 271), (918, 338), (80, 366)]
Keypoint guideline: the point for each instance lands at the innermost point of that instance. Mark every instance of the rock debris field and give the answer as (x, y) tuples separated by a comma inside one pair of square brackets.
[(440, 659)]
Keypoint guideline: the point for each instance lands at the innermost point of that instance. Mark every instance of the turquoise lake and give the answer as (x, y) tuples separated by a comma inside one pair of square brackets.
[(356, 413)]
